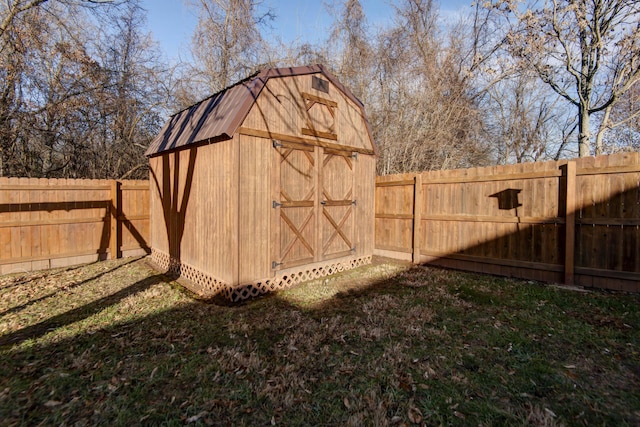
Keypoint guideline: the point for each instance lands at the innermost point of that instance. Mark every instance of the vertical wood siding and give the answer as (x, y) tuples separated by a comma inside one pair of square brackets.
[(195, 207), (256, 195)]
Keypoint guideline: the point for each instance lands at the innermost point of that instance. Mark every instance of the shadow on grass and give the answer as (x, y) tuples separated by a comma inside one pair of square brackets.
[(66, 288), (411, 346), (44, 273), (75, 315)]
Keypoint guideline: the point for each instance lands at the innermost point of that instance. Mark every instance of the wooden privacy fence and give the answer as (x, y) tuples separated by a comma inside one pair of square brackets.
[(572, 221), (46, 223)]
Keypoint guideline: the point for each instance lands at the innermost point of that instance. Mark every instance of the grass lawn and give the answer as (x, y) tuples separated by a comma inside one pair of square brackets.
[(115, 343)]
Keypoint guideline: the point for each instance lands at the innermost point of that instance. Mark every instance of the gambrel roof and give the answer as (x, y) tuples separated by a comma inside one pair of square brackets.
[(218, 117)]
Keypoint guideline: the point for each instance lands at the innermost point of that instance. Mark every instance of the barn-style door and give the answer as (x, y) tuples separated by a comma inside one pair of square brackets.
[(338, 204), (314, 206), (296, 205)]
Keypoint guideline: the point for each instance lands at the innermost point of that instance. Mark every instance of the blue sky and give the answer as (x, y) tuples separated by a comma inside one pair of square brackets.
[(172, 23)]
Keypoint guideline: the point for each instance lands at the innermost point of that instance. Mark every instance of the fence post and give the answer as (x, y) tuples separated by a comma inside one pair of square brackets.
[(570, 223), (114, 209), (417, 216)]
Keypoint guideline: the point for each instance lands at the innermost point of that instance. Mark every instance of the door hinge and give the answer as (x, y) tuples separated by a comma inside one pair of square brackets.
[(353, 249), (324, 202), (275, 204), (354, 155), (275, 143), (275, 265), (354, 202)]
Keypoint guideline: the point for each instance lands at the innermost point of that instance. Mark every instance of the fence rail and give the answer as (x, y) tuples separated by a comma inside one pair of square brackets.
[(569, 221), (47, 223)]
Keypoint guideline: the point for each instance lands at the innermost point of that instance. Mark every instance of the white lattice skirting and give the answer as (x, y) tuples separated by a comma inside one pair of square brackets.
[(198, 282), (207, 286)]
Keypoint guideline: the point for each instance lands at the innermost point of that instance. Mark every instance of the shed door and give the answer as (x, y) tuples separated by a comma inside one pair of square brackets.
[(314, 208), (296, 217), (338, 204)]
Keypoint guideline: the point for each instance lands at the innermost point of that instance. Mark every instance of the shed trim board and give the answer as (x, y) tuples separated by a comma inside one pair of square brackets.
[(264, 185), (304, 141)]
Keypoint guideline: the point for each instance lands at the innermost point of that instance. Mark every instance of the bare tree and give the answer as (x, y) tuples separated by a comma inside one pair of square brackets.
[(350, 47), (80, 89), (587, 51), (522, 120), (46, 65), (227, 41), (425, 115), (622, 124), (132, 97)]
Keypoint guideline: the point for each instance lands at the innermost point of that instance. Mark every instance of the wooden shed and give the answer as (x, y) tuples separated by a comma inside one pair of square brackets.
[(265, 184)]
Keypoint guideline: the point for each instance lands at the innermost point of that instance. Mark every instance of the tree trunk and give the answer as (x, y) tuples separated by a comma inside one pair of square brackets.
[(604, 126), (584, 133)]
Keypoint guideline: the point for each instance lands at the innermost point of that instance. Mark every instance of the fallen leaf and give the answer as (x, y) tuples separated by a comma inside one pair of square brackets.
[(396, 420), (52, 403), (405, 385), (195, 418), (571, 374), (414, 414), (5, 392), (346, 402), (459, 415), (428, 373)]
